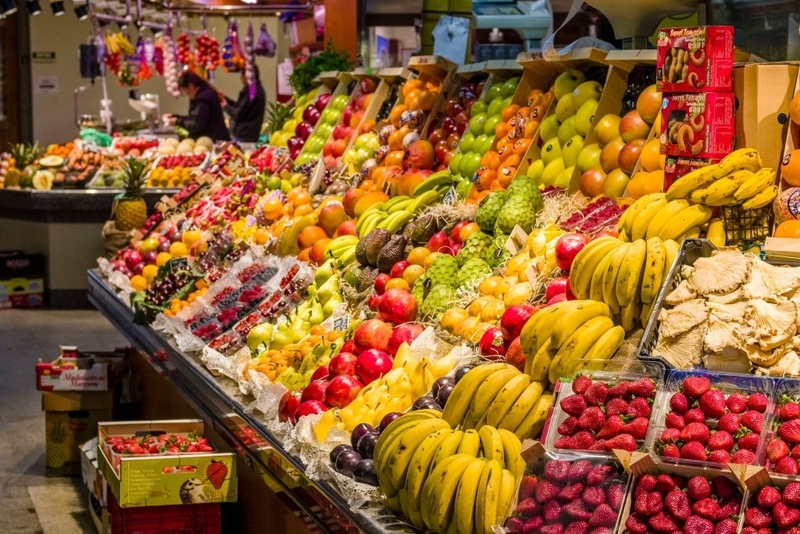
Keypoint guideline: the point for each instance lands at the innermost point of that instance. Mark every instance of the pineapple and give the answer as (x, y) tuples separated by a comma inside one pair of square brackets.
[(130, 210), (56, 456), (25, 155), (277, 114)]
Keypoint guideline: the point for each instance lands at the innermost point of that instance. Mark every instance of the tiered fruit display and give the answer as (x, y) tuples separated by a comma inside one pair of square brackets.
[(364, 148), (329, 117), (352, 123), (308, 119), (269, 161)]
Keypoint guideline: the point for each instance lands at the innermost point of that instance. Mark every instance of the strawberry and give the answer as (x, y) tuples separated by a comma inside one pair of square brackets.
[(785, 515), (695, 432), (749, 442), (592, 418), (577, 510), (637, 428), (768, 496), (726, 526), (578, 470), (743, 456), (568, 426), (720, 440), (670, 435), (695, 386), (573, 405), (791, 493), (603, 516), (644, 387), (749, 530), (719, 456), (790, 431), (639, 407), (664, 483), (527, 507), (674, 420), (655, 502), (671, 451), (646, 483), (570, 492), (624, 442), (582, 440), (556, 470), (527, 486), (729, 423), (596, 394), (546, 491), (707, 508), (678, 504), (796, 452), (618, 390), (663, 522), (612, 427), (616, 406), (551, 511), (694, 415), (577, 527), (563, 442), (698, 525), (599, 474), (757, 517), (581, 384), (736, 402), (723, 488), (533, 524), (552, 529), (758, 402), (698, 488), (789, 411), (728, 507), (640, 503), (786, 466), (753, 420), (712, 403), (515, 525), (604, 530), (615, 495), (594, 496), (637, 524), (599, 445), (679, 403)]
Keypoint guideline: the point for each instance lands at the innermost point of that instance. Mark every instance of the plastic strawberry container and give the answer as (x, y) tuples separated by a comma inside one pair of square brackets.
[(613, 373), (728, 384), (786, 390)]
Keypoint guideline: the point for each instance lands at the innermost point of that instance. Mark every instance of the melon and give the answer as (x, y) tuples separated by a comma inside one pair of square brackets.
[(51, 161)]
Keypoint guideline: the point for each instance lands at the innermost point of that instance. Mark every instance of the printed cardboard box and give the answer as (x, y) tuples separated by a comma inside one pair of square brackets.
[(21, 279), (72, 373), (695, 59), (677, 166), (698, 125)]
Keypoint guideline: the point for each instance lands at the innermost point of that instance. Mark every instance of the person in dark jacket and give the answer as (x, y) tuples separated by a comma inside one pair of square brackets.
[(247, 115), (205, 112)]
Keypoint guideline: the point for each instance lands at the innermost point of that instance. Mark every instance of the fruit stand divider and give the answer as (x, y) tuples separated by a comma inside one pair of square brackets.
[(219, 404)]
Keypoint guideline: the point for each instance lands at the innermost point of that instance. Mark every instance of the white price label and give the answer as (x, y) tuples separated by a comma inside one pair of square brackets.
[(450, 197)]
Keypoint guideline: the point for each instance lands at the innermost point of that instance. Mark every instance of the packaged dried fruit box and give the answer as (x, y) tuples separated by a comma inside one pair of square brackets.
[(772, 503), (709, 418), (680, 498), (695, 59), (698, 125), (603, 410), (561, 493), (783, 439)]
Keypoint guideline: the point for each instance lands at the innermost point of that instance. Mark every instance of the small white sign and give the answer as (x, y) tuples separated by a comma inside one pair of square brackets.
[(46, 85)]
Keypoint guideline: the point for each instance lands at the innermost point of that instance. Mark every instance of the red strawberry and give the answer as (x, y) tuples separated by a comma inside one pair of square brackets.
[(527, 507), (729, 423), (594, 496), (671, 451), (616, 406), (743, 456), (712, 403), (670, 435), (578, 470), (796, 452), (599, 445), (720, 440), (695, 432), (568, 426), (596, 394), (737, 402), (637, 428), (679, 403), (757, 517), (644, 387), (724, 487), (599, 474), (707, 508), (515, 525), (655, 502), (695, 386), (728, 507), (698, 525), (615, 495), (581, 440), (768, 496), (785, 515), (592, 418), (577, 527), (556, 470), (552, 529), (640, 503), (664, 483), (612, 427), (786, 466), (749, 442), (637, 524), (694, 415), (749, 530), (604, 530), (639, 407), (533, 525), (726, 526), (551, 511), (570, 492), (719, 456), (581, 384), (573, 404), (663, 522), (678, 504), (789, 411), (624, 442), (603, 516), (674, 420), (563, 442), (791, 493), (577, 510), (790, 431), (758, 402), (753, 420), (527, 486), (698, 488), (618, 390), (646, 483), (546, 491)]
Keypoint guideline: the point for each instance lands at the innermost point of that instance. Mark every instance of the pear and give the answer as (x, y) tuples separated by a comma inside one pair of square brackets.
[(258, 335), (551, 171), (548, 129), (585, 115), (585, 92), (317, 314), (301, 329), (330, 306), (324, 272), (551, 150), (328, 289), (281, 337), (565, 107), (567, 81)]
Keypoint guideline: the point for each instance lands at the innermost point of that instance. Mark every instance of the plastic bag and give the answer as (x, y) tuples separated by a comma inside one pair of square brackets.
[(232, 59), (266, 45)]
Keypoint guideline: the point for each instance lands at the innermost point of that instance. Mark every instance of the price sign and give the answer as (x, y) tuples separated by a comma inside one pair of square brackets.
[(450, 197), (516, 241), (341, 323), (178, 264)]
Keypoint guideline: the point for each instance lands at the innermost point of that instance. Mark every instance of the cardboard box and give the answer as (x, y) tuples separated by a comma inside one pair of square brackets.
[(696, 59), (698, 125), (72, 373), (90, 473), (677, 166), (21, 279), (159, 480), (71, 419), (100, 516)]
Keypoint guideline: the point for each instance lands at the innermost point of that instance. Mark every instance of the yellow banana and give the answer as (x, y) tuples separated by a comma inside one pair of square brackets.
[(666, 214), (408, 444), (525, 403), (645, 217), (696, 179), (512, 449), (596, 291), (691, 233), (491, 443), (486, 393), (686, 219), (605, 347), (756, 183), (438, 493), (718, 193), (630, 272), (630, 215), (610, 278), (741, 176), (716, 233), (654, 270), (486, 508), (448, 447), (420, 466), (396, 221), (759, 200), (744, 158), (582, 269), (531, 426), (671, 250), (505, 502), (506, 398), (461, 397), (647, 310), (539, 328), (629, 316), (578, 344), (581, 312), (466, 496), (470, 443), (540, 363)]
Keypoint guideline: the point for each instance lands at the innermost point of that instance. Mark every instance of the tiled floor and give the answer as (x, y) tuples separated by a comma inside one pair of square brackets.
[(33, 503)]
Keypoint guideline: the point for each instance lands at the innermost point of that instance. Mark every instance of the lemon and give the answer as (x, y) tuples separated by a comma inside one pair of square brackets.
[(163, 258), (149, 244), (190, 237), (178, 250), (138, 282), (149, 272)]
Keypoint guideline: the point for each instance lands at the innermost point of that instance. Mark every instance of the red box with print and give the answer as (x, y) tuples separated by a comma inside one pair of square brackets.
[(695, 59)]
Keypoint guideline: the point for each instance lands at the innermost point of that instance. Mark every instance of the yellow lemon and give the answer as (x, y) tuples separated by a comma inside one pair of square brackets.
[(149, 272), (163, 258), (138, 282)]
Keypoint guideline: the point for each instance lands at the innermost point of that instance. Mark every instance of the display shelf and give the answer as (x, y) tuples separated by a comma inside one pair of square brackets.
[(219, 401)]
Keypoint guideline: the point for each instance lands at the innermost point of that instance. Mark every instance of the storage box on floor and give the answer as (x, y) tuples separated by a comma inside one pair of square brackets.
[(98, 488), (21, 279)]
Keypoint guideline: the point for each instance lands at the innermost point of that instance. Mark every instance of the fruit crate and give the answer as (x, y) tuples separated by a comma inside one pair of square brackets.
[(612, 373), (727, 384), (172, 519), (744, 227), (755, 478)]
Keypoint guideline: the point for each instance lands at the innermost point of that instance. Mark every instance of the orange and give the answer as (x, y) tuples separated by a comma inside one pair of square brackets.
[(486, 177), (317, 254), (502, 146), (272, 209), (367, 125), (394, 115), (790, 168), (534, 97), (412, 272), (513, 159), (394, 158), (501, 130), (397, 283), (178, 249), (304, 254), (305, 209), (650, 157), (505, 175), (426, 100), (396, 139), (293, 192), (310, 235), (410, 85), (138, 282), (490, 160), (261, 236), (509, 112), (302, 198), (520, 147), (794, 108), (530, 129), (417, 255), (788, 229), (163, 258)]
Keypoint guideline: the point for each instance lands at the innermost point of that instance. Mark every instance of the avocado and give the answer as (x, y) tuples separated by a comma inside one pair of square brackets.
[(394, 251), (376, 240), (424, 228)]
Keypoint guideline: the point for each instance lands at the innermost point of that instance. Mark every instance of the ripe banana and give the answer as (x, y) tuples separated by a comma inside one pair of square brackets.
[(491, 443), (439, 491), (685, 220), (647, 310), (585, 263), (671, 249), (532, 425), (384, 449), (664, 216), (396, 221), (539, 328), (370, 223), (716, 233), (506, 398), (512, 449), (630, 272), (449, 447), (580, 313), (396, 426), (470, 443), (486, 393), (433, 181), (505, 501), (629, 316), (596, 288), (719, 193), (654, 270), (339, 245), (404, 451), (605, 347), (419, 468), (466, 496), (396, 203), (691, 233), (540, 363), (696, 179), (576, 347), (744, 158), (610, 278), (461, 397), (645, 217), (630, 215), (426, 198), (486, 504), (525, 403), (741, 176), (766, 196)]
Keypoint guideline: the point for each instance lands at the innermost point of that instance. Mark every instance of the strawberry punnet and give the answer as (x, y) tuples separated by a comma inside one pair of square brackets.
[(772, 508)]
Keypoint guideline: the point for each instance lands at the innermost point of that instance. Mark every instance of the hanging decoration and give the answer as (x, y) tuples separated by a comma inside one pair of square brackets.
[(207, 51), (171, 66), (249, 68), (266, 45), (158, 56), (232, 59), (144, 73), (184, 48)]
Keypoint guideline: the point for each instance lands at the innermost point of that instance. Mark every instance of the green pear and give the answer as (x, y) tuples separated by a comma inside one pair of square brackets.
[(317, 314), (535, 170), (572, 150), (330, 307), (567, 81), (585, 115), (586, 91), (548, 129), (324, 272), (551, 171), (565, 108), (258, 335), (551, 150), (566, 131), (329, 288), (564, 178), (282, 336), (301, 329), (589, 157)]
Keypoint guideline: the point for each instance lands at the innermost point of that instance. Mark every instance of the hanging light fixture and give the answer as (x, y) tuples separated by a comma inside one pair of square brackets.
[(33, 7), (8, 7), (81, 11), (57, 7)]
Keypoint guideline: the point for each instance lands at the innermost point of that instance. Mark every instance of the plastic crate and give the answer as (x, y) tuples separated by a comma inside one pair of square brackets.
[(744, 227), (172, 519)]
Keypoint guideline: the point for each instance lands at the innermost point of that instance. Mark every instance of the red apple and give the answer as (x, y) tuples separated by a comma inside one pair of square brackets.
[(348, 227), (629, 155), (438, 241), (372, 334), (311, 407), (492, 342), (320, 372), (515, 356), (341, 390), (380, 283), (606, 233), (343, 363), (398, 306), (568, 246), (404, 333), (322, 101), (556, 286), (349, 346), (372, 364), (398, 269), (367, 85), (632, 126), (150, 257), (315, 391), (454, 233), (287, 406), (373, 301), (649, 103), (132, 259), (514, 318), (591, 182)]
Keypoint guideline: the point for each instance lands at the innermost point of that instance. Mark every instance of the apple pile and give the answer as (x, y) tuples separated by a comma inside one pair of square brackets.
[(363, 150), (352, 121), (608, 164), (329, 117), (311, 115), (289, 128), (457, 109)]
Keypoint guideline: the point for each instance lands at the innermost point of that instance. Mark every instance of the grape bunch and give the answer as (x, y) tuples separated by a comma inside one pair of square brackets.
[(161, 291)]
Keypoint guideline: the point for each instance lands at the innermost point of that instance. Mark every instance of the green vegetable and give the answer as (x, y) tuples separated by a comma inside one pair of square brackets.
[(330, 59)]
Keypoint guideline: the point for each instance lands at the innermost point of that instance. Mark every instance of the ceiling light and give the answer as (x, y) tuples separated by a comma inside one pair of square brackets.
[(57, 7), (8, 7), (33, 7), (82, 11)]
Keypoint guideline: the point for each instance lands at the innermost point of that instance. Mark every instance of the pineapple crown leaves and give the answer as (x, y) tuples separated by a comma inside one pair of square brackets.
[(24, 154), (277, 115), (133, 174)]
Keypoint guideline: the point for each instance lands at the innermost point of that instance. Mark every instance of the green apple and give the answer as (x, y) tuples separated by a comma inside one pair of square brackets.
[(566, 130), (551, 150), (491, 124), (507, 101), (508, 88), (571, 150), (585, 115), (551, 172), (495, 91), (495, 108), (469, 164), (586, 91), (535, 170), (340, 101), (548, 129), (467, 142), (480, 106), (455, 161), (565, 108), (564, 178), (476, 123), (567, 81), (589, 157), (483, 143), (260, 333)]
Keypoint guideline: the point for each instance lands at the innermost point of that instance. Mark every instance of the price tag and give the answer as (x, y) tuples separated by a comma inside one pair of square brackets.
[(178, 264), (356, 179), (341, 323), (451, 197), (517, 240)]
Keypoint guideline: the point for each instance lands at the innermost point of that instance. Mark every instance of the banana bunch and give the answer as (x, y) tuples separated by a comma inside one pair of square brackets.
[(446, 480), (654, 215), (393, 214), (738, 179), (498, 395), (562, 339), (342, 250), (117, 43), (440, 182)]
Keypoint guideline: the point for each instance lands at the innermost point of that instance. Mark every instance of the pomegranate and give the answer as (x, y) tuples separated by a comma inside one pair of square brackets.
[(287, 406), (315, 391), (567, 247), (514, 319), (398, 306), (341, 390), (438, 241), (311, 407), (372, 364), (380, 282), (556, 286), (515, 356), (492, 343), (404, 333), (343, 363), (372, 334)]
